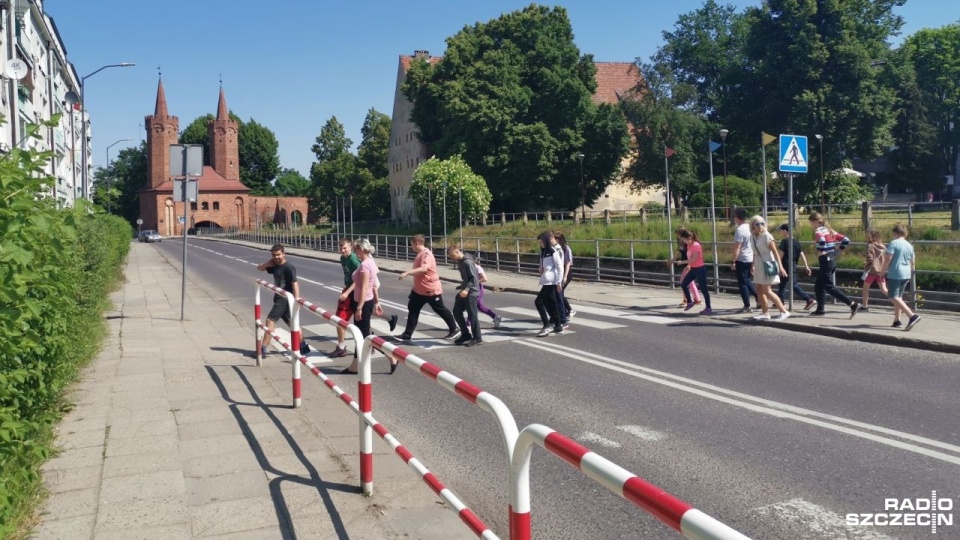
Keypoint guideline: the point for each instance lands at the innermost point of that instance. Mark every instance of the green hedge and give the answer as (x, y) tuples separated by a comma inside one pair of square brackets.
[(56, 268)]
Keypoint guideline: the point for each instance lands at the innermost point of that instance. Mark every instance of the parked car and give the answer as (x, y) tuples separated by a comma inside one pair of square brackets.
[(149, 236)]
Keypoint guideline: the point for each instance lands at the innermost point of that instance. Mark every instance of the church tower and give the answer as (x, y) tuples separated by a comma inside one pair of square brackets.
[(224, 147), (162, 131)]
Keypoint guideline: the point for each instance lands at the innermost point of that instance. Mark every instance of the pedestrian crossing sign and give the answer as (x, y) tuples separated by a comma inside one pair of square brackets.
[(793, 153)]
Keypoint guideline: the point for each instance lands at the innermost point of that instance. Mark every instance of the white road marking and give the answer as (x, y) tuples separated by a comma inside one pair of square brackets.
[(593, 438), (603, 312), (642, 433), (301, 278), (602, 325), (652, 319), (760, 405), (243, 261), (797, 513)]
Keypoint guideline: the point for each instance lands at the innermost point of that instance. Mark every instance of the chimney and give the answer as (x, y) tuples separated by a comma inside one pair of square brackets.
[(421, 55)]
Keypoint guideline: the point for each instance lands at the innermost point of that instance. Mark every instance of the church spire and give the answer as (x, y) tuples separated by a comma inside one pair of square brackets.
[(161, 107), (222, 113)]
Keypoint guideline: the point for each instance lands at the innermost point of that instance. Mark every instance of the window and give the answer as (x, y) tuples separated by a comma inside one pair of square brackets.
[(193, 206), (216, 205), (204, 205)]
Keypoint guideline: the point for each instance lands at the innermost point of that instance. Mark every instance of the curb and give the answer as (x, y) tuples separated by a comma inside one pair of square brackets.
[(841, 333)]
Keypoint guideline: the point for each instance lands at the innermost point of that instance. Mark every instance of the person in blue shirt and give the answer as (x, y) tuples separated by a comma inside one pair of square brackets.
[(899, 267)]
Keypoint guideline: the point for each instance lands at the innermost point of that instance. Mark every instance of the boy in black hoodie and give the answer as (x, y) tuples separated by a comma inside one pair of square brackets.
[(466, 299)]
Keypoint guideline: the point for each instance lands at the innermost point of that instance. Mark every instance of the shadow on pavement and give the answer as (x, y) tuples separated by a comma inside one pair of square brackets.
[(276, 493)]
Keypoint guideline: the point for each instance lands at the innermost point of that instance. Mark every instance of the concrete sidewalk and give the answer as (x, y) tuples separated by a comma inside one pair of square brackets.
[(937, 331), (176, 434)]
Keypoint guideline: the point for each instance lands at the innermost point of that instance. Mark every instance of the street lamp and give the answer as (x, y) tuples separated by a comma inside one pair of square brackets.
[(107, 167), (83, 122), (583, 192), (723, 141), (823, 204)]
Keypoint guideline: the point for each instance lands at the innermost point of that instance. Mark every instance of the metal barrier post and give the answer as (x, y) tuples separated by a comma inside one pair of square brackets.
[(256, 326), (295, 348), (633, 280), (596, 261), (496, 247), (518, 255)]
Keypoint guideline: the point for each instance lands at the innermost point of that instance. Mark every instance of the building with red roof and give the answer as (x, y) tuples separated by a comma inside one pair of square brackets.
[(223, 202)]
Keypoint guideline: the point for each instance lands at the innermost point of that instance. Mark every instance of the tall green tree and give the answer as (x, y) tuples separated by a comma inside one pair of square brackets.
[(290, 183), (513, 97), (372, 184), (449, 181), (814, 70), (122, 180), (666, 116), (259, 158), (334, 171), (934, 110)]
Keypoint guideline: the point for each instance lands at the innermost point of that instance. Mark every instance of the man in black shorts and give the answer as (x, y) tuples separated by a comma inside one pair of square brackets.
[(285, 277)]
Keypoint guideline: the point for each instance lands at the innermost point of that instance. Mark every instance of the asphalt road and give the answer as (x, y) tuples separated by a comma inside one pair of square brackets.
[(777, 434)]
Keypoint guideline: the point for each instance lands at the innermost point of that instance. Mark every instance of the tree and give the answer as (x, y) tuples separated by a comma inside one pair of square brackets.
[(259, 159), (928, 122), (742, 193), (334, 171), (372, 195), (122, 181), (290, 183), (436, 179), (513, 97), (665, 117)]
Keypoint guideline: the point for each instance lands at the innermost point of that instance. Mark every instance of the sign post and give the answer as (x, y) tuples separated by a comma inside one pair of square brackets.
[(186, 162), (139, 223), (793, 159)]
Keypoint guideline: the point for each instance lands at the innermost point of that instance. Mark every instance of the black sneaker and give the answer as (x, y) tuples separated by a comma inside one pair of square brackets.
[(912, 322), (558, 329), (474, 342), (817, 313), (454, 334), (864, 309), (854, 308), (304, 349), (403, 338), (896, 324), (463, 339), (393, 322)]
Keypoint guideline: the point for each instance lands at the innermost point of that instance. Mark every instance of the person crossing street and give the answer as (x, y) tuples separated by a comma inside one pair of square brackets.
[(427, 290)]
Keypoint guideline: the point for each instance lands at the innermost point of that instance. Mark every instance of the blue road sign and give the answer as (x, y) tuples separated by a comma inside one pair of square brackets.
[(793, 153)]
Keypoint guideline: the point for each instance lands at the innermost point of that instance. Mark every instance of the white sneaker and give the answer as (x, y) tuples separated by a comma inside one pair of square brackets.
[(496, 321), (762, 317), (545, 331), (572, 313), (783, 316)]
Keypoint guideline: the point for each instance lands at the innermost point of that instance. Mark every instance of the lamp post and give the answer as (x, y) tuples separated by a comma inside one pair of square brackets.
[(723, 141), (107, 167), (583, 191), (460, 203), (823, 204), (83, 123)]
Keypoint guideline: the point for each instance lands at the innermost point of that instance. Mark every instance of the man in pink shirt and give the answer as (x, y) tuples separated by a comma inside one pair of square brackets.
[(426, 290)]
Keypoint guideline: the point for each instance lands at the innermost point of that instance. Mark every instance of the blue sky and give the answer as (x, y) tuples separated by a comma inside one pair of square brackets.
[(292, 64)]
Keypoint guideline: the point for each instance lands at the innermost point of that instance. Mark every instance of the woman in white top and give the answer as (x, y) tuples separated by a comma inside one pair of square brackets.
[(551, 279), (766, 257)]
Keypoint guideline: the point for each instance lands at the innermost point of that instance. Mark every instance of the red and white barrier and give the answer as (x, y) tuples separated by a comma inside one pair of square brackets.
[(670, 510), (294, 346)]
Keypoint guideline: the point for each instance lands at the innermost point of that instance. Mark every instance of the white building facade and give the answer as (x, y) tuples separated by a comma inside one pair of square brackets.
[(29, 36)]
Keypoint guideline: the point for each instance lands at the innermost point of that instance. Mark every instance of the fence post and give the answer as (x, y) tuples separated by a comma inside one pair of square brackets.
[(795, 211), (643, 215), (909, 215), (955, 215), (496, 246), (606, 217), (866, 214), (518, 254), (632, 279), (576, 218), (684, 215), (596, 259), (549, 217), (503, 218), (525, 220)]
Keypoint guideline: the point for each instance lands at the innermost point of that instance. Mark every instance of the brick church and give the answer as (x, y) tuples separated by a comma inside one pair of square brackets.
[(223, 202)]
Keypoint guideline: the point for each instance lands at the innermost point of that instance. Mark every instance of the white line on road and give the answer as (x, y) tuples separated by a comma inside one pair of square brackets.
[(593, 438), (763, 406), (601, 325), (301, 278), (642, 433), (797, 513)]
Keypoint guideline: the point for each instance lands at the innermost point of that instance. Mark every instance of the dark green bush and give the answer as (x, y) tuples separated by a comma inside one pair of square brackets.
[(56, 266)]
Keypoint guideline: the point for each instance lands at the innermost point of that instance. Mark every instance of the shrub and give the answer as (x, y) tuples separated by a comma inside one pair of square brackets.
[(55, 268)]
